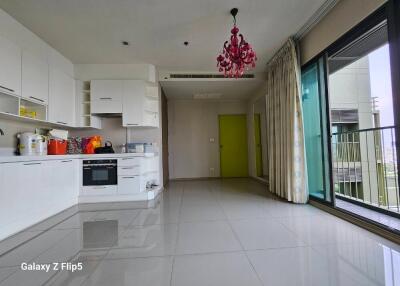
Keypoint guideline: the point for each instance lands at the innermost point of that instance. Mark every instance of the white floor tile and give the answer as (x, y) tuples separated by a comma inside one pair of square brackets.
[(231, 269), (151, 271), (204, 237), (264, 234), (196, 211), (316, 230), (124, 217), (160, 215), (143, 241), (216, 232), (300, 266)]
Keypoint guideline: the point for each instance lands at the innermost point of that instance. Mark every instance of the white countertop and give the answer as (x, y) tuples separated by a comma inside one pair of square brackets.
[(10, 159)]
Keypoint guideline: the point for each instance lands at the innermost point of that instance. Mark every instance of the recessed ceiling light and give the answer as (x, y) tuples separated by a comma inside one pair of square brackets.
[(125, 43), (186, 43)]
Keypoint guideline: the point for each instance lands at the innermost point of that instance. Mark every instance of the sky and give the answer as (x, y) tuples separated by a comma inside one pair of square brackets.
[(381, 87)]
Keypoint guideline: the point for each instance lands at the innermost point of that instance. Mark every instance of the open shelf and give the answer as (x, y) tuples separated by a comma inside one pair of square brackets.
[(33, 110), (84, 118)]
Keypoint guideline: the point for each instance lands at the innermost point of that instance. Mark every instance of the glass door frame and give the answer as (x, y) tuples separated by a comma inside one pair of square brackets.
[(389, 11), (322, 67)]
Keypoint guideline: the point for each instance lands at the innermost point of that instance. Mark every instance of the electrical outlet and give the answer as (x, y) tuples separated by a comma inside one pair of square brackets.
[(212, 140)]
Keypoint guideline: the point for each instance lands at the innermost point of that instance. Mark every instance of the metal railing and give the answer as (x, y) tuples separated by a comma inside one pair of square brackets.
[(365, 167)]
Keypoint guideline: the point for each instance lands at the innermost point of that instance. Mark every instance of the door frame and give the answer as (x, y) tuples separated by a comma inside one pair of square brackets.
[(258, 115), (321, 62)]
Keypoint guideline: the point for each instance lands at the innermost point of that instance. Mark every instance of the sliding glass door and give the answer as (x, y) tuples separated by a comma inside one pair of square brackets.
[(315, 130)]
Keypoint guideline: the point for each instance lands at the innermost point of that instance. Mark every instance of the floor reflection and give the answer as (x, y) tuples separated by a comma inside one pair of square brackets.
[(214, 232)]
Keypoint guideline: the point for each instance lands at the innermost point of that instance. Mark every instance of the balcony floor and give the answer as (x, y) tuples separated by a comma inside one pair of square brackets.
[(381, 218)]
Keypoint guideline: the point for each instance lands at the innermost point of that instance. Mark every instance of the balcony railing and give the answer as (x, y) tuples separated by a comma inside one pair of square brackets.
[(365, 167)]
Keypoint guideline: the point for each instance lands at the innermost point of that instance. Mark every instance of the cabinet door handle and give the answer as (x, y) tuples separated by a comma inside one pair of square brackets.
[(98, 188), (60, 122), (105, 98), (129, 168), (6, 88), (127, 159), (65, 161), (29, 164), (35, 98), (132, 124), (132, 177)]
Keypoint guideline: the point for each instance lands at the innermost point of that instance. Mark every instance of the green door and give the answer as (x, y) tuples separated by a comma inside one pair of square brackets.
[(233, 145), (257, 139)]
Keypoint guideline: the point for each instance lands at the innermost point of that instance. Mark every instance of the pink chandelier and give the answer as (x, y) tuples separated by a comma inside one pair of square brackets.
[(238, 55)]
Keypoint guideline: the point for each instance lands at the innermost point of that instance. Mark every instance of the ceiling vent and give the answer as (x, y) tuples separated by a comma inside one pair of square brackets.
[(203, 76)]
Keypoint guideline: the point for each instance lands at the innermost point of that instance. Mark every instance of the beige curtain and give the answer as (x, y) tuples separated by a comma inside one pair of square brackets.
[(285, 140)]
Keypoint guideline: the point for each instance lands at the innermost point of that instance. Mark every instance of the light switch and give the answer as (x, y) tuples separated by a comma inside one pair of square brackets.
[(212, 140)]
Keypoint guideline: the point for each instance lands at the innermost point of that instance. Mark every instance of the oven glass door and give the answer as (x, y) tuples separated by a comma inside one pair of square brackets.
[(99, 175)]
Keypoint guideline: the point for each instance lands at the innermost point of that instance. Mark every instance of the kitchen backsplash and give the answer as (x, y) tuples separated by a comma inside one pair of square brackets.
[(11, 128), (112, 130)]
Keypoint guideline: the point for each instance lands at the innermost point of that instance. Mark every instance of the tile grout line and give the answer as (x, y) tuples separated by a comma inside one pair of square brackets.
[(241, 245), (177, 235)]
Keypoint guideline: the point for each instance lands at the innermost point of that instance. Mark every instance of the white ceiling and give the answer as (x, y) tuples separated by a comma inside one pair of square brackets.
[(91, 31), (228, 89)]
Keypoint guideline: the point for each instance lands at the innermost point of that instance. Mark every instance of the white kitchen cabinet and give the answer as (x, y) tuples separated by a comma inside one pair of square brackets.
[(128, 185), (106, 89), (140, 104), (65, 178), (35, 190), (98, 191), (105, 106), (61, 98), (35, 78), (106, 96), (129, 170), (133, 91), (22, 197), (10, 67)]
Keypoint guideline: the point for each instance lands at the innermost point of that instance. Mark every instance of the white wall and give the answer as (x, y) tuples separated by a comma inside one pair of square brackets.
[(344, 16), (112, 130), (115, 71), (191, 124), (256, 103)]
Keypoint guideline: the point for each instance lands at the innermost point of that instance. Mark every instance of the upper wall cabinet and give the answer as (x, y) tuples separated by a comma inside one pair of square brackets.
[(10, 67), (106, 96), (140, 104), (35, 78), (61, 98)]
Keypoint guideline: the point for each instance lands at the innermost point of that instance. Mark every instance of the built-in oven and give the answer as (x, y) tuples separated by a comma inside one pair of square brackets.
[(99, 172)]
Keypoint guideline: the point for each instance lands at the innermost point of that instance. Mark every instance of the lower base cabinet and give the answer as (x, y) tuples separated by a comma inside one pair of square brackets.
[(33, 191), (128, 185), (36, 190)]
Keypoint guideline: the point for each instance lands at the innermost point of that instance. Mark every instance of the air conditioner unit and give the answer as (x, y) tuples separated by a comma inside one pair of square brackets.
[(179, 76)]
